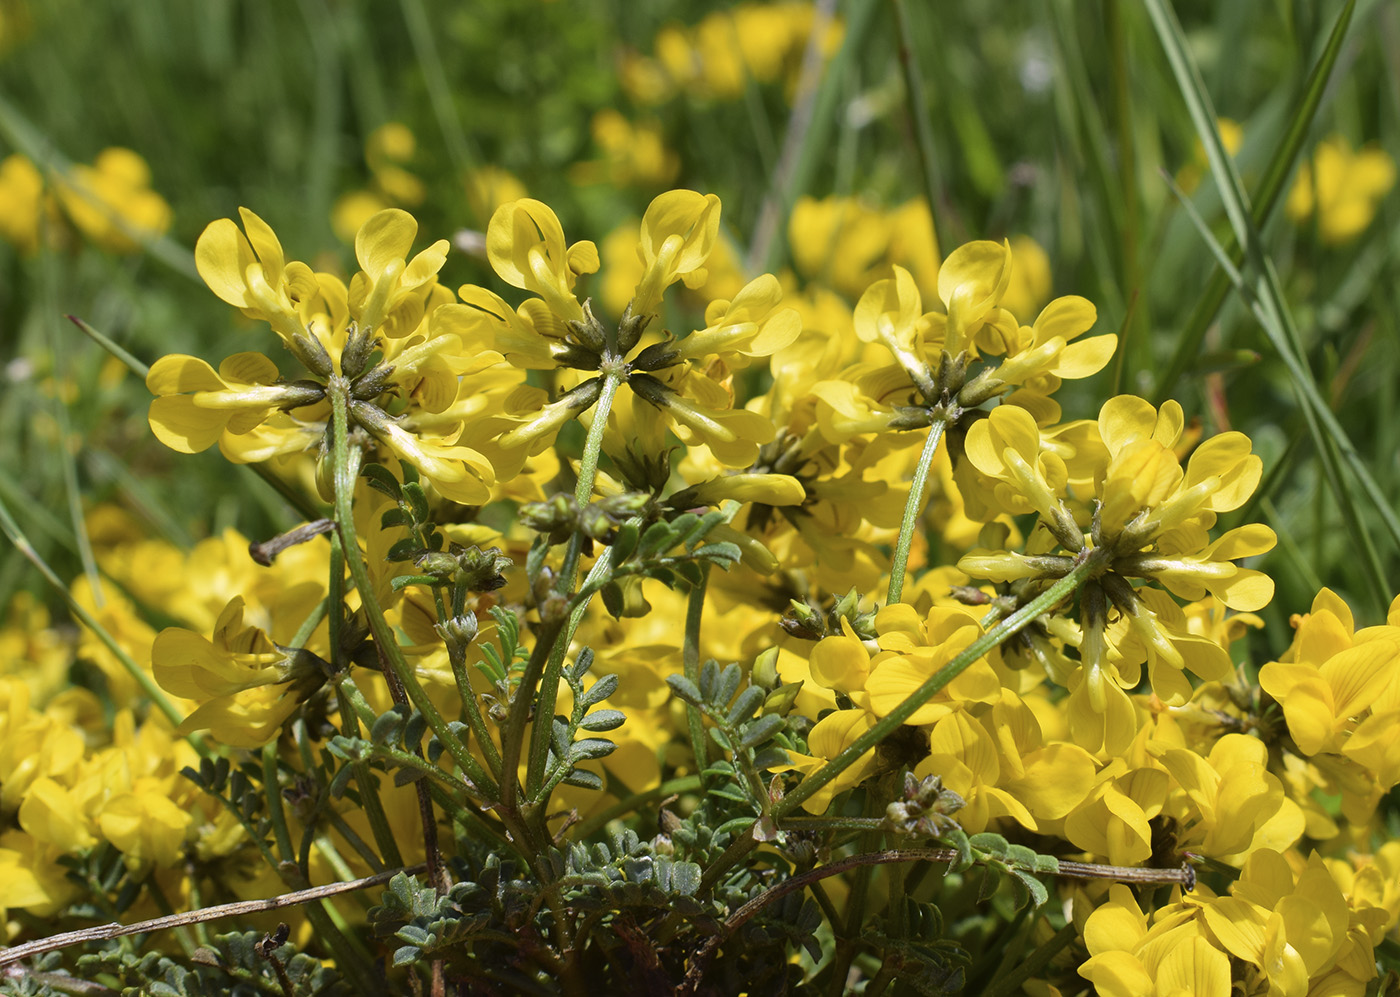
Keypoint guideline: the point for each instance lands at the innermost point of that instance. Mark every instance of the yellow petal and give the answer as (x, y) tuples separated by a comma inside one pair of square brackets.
[(222, 256), (247, 368), (1084, 358), (386, 238), (1124, 419), (176, 374), (265, 244), (1066, 317), (1196, 968), (183, 426)]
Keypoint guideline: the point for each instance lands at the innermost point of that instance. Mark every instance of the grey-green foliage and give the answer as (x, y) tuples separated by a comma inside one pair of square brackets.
[(748, 723), (567, 748), (237, 964), (426, 921), (629, 874), (671, 551)]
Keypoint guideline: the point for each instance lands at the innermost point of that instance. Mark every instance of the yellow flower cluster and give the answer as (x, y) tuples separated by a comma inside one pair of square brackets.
[(109, 203), (1342, 187), (801, 416), (720, 56)]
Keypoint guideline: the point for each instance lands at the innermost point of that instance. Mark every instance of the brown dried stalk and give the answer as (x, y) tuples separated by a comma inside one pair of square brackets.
[(102, 932)]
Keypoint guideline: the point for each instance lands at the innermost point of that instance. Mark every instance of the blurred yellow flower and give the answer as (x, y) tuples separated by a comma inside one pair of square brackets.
[(1342, 188)]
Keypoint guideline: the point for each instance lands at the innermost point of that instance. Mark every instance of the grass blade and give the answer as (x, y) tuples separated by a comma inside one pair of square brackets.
[(1270, 188), (1264, 295)]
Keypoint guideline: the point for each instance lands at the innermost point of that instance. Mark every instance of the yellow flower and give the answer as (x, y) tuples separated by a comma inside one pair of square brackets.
[(246, 685), (679, 230), (195, 407), (1338, 692), (525, 244), (631, 153), (1343, 188), (827, 739), (752, 325), (22, 203), (111, 201), (1233, 804), (1169, 960), (913, 649), (252, 273), (690, 385), (382, 295)]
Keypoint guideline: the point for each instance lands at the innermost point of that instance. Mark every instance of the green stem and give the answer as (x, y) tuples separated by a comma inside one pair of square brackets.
[(919, 119), (521, 706), (685, 784), (1124, 118), (352, 705), (272, 789), (1090, 566), (457, 658), (1034, 963), (588, 474), (339, 391), (913, 508), (690, 665)]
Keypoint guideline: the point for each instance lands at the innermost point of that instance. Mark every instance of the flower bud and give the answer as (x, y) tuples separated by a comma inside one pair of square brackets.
[(459, 631)]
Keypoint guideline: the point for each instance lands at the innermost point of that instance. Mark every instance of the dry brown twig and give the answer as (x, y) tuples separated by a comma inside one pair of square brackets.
[(102, 932)]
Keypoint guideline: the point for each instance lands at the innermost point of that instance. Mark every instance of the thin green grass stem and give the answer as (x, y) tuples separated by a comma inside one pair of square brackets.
[(913, 509), (919, 118), (1088, 568), (1270, 188), (139, 675), (1034, 963)]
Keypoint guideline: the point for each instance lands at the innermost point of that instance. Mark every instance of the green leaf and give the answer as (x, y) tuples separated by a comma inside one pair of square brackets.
[(613, 600), (583, 779), (625, 542), (749, 701), (991, 882), (760, 730), (588, 748), (1263, 293), (1039, 895), (728, 684), (685, 690), (598, 691), (992, 844), (1020, 855), (417, 499), (604, 720), (382, 479), (658, 537), (956, 838), (1280, 167), (394, 517)]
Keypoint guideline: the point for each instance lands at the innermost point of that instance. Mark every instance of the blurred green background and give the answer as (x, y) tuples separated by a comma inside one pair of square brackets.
[(1060, 121)]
